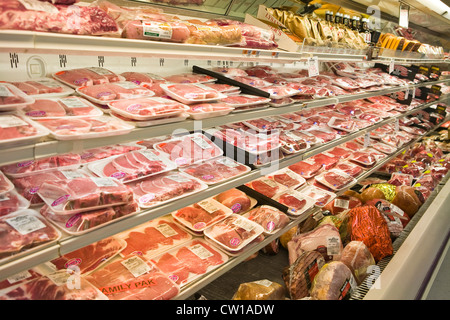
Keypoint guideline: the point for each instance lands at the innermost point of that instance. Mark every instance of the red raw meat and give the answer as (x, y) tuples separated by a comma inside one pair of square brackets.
[(286, 179), (265, 186), (14, 127), (216, 170), (188, 78), (326, 136), (291, 201), (5, 184), (324, 160), (197, 217), (114, 91), (173, 267), (61, 162), (270, 218), (335, 179), (66, 126), (9, 202), (350, 169), (306, 169), (142, 78), (45, 108), (105, 152), (25, 87), (234, 199), (192, 92), (25, 276)]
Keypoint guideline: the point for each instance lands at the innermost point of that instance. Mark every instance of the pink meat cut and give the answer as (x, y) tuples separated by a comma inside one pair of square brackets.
[(291, 201), (45, 108), (306, 169), (338, 181), (264, 188)]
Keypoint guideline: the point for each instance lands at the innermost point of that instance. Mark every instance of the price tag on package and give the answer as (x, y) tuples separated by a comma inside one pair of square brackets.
[(391, 66), (313, 67)]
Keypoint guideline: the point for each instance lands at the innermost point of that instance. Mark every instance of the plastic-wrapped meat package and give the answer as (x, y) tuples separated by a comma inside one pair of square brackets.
[(351, 169), (201, 215), (260, 290), (358, 258), (40, 86), (304, 135), (90, 257), (189, 261), (83, 222), (222, 87), (302, 89), (288, 178), (252, 81), (327, 161), (189, 149), (189, 78), (230, 72), (106, 92), (234, 232), (306, 168), (216, 170), (72, 196), (263, 124), (244, 100), (200, 111), (95, 154), (63, 107), (270, 218), (5, 184), (279, 91), (12, 201), (19, 278), (325, 135), (296, 202), (342, 124), (342, 203), (334, 281), (133, 278), (66, 126), (235, 199), (189, 93), (322, 197), (148, 80), (59, 285), (292, 143), (335, 179), (340, 152), (266, 186), (24, 230), (166, 31), (395, 217), (86, 76), (401, 179), (362, 158), (210, 34), (17, 129)]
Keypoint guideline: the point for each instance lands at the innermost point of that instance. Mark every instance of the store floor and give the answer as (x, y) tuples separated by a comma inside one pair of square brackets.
[(439, 286)]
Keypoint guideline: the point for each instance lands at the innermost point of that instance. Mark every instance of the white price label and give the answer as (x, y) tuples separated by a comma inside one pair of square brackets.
[(313, 67), (391, 66), (136, 266), (25, 224)]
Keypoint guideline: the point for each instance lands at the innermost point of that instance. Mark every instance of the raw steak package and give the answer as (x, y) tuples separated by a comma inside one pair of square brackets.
[(266, 186), (5, 184), (153, 237), (244, 100), (358, 258), (260, 290), (189, 149), (321, 196), (162, 188), (43, 88), (287, 178), (201, 215), (306, 168), (133, 278), (335, 179), (234, 232), (96, 154), (18, 130), (223, 88), (80, 77), (296, 202), (25, 231), (189, 261), (53, 108), (270, 218), (349, 168), (108, 92), (201, 111), (191, 93), (334, 281), (86, 128), (12, 98), (72, 196), (67, 161), (189, 78), (90, 257), (83, 222), (133, 165), (148, 108), (12, 201), (60, 285), (151, 122), (216, 170)]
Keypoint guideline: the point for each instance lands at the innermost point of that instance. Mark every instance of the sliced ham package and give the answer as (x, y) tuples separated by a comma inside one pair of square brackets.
[(18, 130), (12, 98), (55, 108)]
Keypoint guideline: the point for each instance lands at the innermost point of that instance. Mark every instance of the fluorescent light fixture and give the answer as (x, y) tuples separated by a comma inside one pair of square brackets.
[(437, 6)]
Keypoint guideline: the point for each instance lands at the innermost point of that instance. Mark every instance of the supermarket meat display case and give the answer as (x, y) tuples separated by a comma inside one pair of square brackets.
[(402, 275)]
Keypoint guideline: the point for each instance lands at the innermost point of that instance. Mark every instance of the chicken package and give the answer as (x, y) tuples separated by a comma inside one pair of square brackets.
[(90, 257), (52, 108), (83, 222), (166, 31), (324, 239), (201, 215), (190, 93), (133, 278), (299, 275), (334, 281), (147, 108), (59, 285), (238, 201), (189, 261), (342, 203), (17, 130), (162, 188), (107, 92), (358, 258), (234, 232), (12, 98), (216, 170), (270, 218), (260, 290), (12, 201), (366, 224), (189, 149), (72, 196), (133, 165), (86, 76)]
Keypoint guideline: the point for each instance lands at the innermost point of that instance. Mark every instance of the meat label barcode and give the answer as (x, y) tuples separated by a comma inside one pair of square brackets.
[(200, 251), (166, 230), (136, 266), (26, 224)]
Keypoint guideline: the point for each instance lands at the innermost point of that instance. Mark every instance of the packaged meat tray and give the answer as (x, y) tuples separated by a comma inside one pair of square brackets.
[(189, 149), (90, 257), (86, 128), (266, 124), (362, 158), (143, 78), (133, 165), (279, 92), (43, 88), (108, 92), (237, 200), (266, 186), (16, 130), (138, 279), (270, 218), (385, 148), (191, 93), (57, 285), (201, 215), (216, 170), (296, 202), (96, 154), (347, 125), (288, 178), (234, 232), (252, 81), (335, 179), (52, 108), (321, 196), (25, 231), (28, 186), (230, 72), (223, 88), (152, 122), (304, 135), (208, 110), (148, 108), (12, 98), (190, 261), (292, 143), (5, 184), (340, 152), (67, 161), (84, 194), (306, 168), (250, 107), (79, 77), (349, 168), (153, 237), (83, 222), (12, 201), (189, 78), (243, 100)]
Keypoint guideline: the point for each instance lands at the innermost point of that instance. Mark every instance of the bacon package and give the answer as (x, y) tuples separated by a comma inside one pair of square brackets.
[(191, 93), (71, 106), (107, 92), (86, 76), (17, 130)]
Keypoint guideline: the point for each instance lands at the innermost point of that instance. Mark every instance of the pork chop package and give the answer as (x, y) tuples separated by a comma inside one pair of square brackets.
[(358, 258), (154, 237), (190, 261), (16, 130), (43, 88), (55, 108), (133, 278), (296, 202), (25, 231), (270, 218), (245, 100), (12, 201), (334, 281), (59, 285), (216, 170), (238, 201), (189, 78), (108, 92), (161, 188), (80, 77), (234, 232), (189, 149), (201, 111), (260, 290), (95, 154), (133, 165), (83, 222), (145, 79), (190, 93), (72, 196), (12, 98), (199, 216)]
